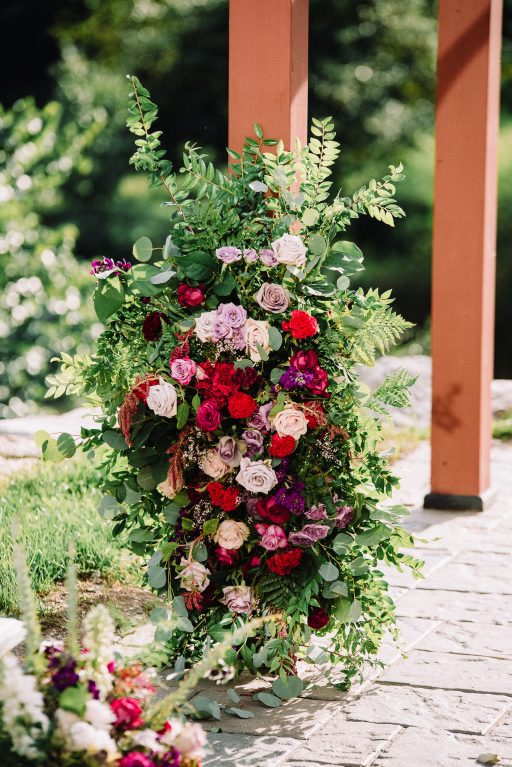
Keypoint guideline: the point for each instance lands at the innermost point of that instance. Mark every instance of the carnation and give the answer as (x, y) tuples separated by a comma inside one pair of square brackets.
[(301, 324), (241, 405), (280, 447), (152, 325), (317, 618), (285, 562)]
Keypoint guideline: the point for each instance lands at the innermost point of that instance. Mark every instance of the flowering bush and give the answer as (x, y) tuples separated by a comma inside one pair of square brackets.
[(244, 457), (85, 708)]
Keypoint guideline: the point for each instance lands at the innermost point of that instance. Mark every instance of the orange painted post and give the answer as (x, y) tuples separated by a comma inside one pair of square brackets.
[(268, 69), (464, 244)]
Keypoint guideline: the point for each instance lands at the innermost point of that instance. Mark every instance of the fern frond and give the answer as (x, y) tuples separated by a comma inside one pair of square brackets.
[(393, 391), (381, 329), (202, 176), (276, 591), (377, 198)]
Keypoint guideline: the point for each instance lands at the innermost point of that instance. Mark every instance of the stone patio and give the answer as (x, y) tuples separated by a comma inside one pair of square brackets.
[(448, 702)]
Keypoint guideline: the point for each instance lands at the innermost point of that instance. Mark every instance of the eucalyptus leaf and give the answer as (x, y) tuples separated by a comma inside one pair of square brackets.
[(143, 249), (272, 701)]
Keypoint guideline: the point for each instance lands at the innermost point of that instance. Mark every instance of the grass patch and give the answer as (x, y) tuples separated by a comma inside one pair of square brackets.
[(53, 505), (502, 426)]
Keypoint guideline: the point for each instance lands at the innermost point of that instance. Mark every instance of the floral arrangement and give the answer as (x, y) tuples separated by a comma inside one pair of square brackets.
[(243, 452), (65, 706)]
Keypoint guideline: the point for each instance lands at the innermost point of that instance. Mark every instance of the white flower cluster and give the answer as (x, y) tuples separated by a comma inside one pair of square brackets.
[(90, 734), (98, 641), (22, 708)]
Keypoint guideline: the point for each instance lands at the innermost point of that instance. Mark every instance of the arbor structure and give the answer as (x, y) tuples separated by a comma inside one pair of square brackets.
[(268, 47)]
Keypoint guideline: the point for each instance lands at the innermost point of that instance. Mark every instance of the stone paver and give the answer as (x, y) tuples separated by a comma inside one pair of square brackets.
[(473, 571), (247, 751), (469, 638), (434, 709), (345, 744), (438, 748), (456, 605), (449, 671)]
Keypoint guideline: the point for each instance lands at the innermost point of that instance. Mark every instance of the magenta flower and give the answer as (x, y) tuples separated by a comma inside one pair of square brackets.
[(272, 537)]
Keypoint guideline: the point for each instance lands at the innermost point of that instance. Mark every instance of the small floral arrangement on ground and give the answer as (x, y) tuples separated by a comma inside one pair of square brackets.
[(243, 458), (65, 706)]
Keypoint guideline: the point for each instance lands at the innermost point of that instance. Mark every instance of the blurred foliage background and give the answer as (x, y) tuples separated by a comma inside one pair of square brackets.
[(67, 195)]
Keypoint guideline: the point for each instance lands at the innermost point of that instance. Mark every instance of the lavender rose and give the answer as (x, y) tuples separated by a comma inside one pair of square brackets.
[(317, 512), (221, 330), (250, 255), (229, 451), (290, 250), (256, 476), (344, 516), (254, 441), (268, 258), (238, 599), (183, 370), (163, 399), (260, 419), (233, 315), (194, 576), (228, 254), (309, 535), (273, 298)]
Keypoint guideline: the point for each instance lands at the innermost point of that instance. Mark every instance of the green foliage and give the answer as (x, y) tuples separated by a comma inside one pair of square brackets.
[(394, 390), (44, 505), (373, 326), (41, 283)]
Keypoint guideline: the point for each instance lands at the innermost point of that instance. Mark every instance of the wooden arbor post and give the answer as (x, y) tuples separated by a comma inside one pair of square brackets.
[(464, 242), (268, 69)]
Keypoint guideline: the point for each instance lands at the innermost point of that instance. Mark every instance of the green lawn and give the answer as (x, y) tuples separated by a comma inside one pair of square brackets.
[(53, 505)]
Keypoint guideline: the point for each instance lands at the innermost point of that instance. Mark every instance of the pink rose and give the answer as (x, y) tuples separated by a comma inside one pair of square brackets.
[(272, 537), (238, 599), (182, 370), (136, 759), (127, 711), (208, 416)]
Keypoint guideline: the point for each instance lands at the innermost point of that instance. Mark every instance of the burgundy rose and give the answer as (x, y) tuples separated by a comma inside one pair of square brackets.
[(226, 557), (268, 509), (208, 416), (189, 296), (304, 360), (317, 618), (152, 325), (318, 382), (128, 713)]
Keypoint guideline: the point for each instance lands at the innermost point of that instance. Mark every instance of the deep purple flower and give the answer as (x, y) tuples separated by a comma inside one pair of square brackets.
[(344, 516), (93, 689), (171, 758), (107, 264), (283, 469), (53, 653), (65, 676), (295, 379), (291, 498)]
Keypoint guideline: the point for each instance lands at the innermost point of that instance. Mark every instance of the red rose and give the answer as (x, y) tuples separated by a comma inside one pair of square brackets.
[(318, 384), (152, 325), (304, 360), (301, 324), (241, 405), (280, 447), (268, 509), (208, 416), (317, 618), (285, 561), (189, 296), (127, 711)]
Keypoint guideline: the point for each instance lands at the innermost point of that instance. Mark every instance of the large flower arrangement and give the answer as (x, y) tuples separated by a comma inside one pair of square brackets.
[(244, 459)]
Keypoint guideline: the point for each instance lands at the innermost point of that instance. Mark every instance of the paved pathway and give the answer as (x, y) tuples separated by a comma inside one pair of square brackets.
[(450, 701)]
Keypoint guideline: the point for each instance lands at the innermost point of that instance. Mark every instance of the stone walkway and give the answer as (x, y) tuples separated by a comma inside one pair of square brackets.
[(450, 701)]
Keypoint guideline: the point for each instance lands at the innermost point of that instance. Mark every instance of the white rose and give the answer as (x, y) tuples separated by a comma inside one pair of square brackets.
[(148, 739), (190, 741), (213, 465), (256, 476), (290, 422), (82, 736), (194, 576), (163, 399), (231, 534), (256, 334), (289, 249), (12, 633), (204, 325)]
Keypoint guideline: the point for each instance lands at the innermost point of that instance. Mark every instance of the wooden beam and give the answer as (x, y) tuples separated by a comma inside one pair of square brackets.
[(464, 245), (268, 69)]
